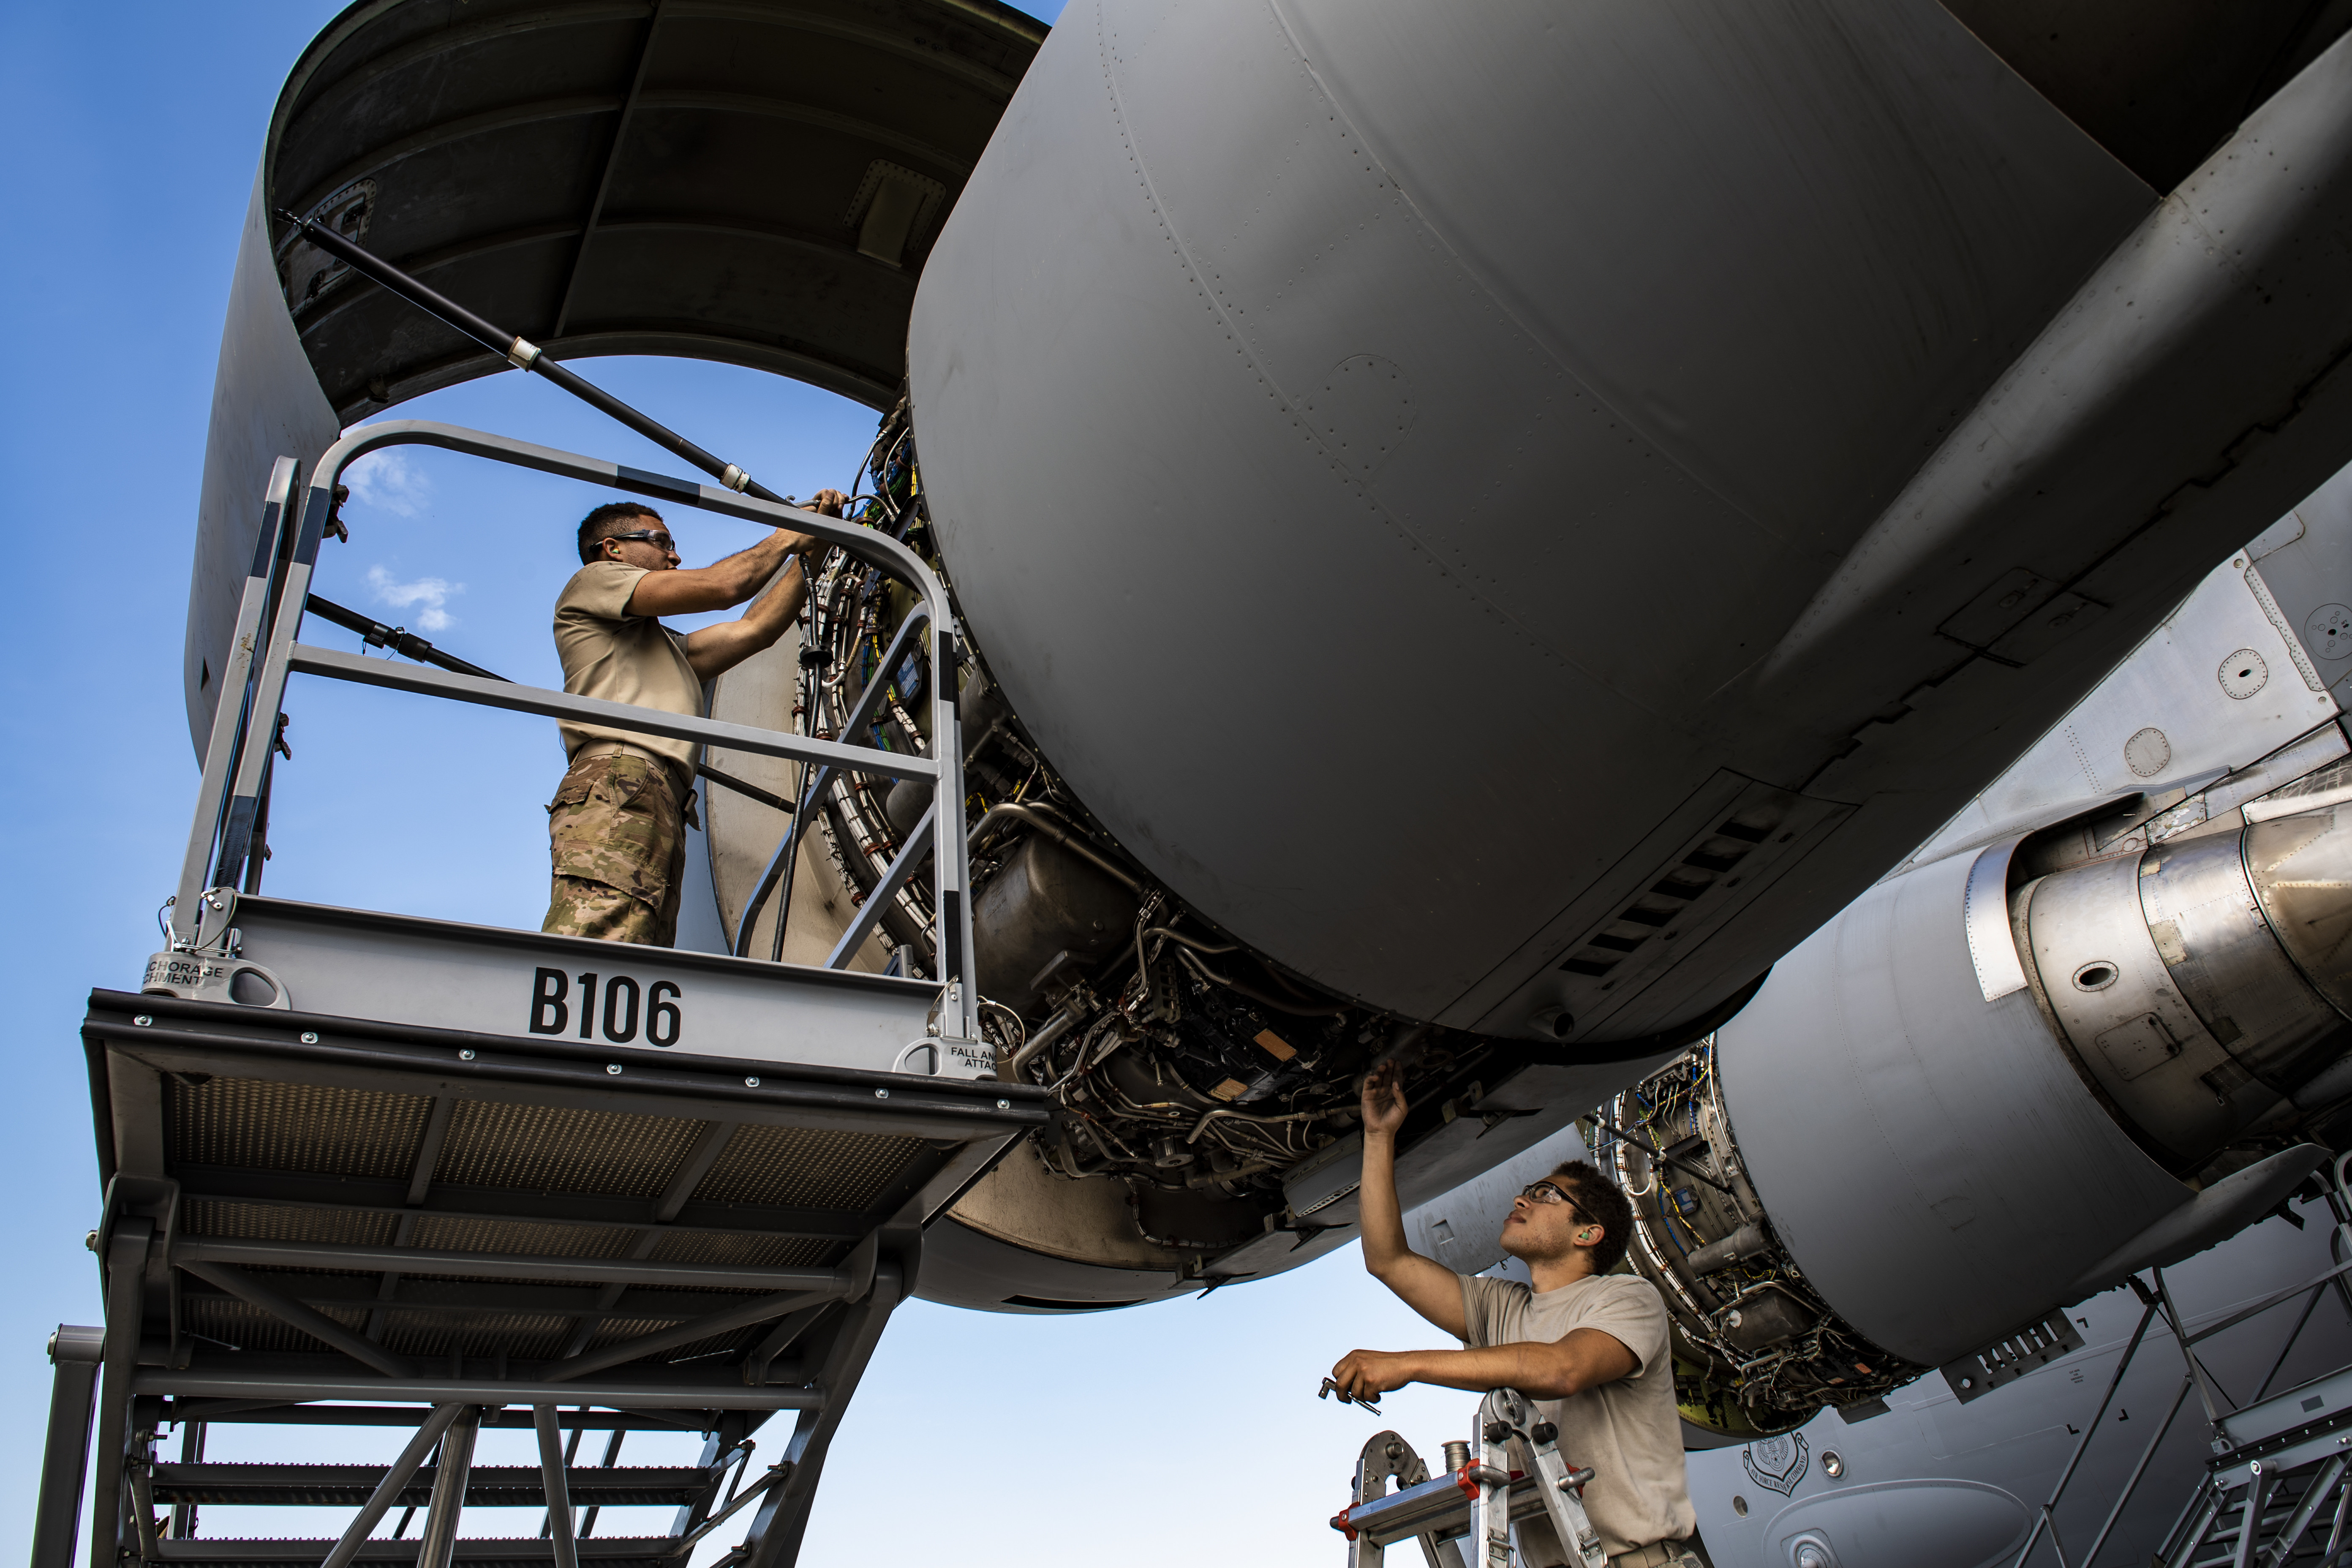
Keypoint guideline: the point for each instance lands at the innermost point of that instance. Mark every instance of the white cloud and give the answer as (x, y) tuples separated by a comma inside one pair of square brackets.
[(430, 592), (388, 481)]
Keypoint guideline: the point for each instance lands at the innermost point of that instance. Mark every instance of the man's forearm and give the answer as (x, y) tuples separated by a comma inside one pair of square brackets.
[(782, 606), (744, 572), (1375, 1205), (715, 650), (1536, 1370)]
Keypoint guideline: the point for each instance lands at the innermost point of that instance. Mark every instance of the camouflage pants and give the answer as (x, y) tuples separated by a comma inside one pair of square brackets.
[(616, 834)]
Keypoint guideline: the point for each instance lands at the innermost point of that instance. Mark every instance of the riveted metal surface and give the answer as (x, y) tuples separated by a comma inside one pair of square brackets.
[(2119, 1007), (271, 1126), (795, 1166), (272, 1221), (522, 1236), (2222, 954), (553, 1149), (2300, 868)]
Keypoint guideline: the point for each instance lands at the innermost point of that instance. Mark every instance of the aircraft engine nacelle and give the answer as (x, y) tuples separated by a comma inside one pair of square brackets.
[(2198, 984), (1996, 1085)]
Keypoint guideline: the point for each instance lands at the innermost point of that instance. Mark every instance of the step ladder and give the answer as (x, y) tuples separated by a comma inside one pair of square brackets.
[(366, 1169), (2276, 1492), (1475, 1499)]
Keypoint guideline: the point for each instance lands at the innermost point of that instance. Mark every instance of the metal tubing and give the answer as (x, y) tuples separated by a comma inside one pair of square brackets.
[(439, 1544), (2131, 1482), (230, 710), (304, 659), (2287, 1349), (234, 814), (870, 913), (2208, 1392), (387, 1490), (290, 1388), (2250, 1522), (2205, 1514), (945, 768), (188, 1250), (870, 703), (293, 587), (756, 1310), (397, 638), (126, 1299), (951, 862), (286, 1309), (772, 801), (400, 640), (2044, 1520), (275, 1413), (519, 352), (552, 1464), (774, 1537), (1052, 1029), (1068, 840), (65, 1459), (2267, 1302), (2335, 1547), (2299, 1521), (141, 1470), (869, 545), (780, 1339), (775, 1473)]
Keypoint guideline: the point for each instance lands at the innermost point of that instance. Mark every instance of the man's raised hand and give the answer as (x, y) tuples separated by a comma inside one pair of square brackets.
[(1383, 1101)]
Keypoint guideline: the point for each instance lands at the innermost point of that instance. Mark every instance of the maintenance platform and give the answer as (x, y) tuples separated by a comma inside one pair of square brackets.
[(368, 1169)]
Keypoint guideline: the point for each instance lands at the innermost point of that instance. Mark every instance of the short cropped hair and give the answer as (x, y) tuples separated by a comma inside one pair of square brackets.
[(606, 521), (1606, 1205)]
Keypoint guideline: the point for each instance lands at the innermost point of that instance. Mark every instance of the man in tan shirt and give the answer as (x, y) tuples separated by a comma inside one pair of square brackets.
[(1590, 1347), (616, 827)]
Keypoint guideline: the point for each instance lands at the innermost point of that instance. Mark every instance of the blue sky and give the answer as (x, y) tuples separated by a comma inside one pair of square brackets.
[(133, 133)]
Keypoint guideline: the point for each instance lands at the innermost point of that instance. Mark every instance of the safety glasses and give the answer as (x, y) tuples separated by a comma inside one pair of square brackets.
[(1549, 1193), (661, 541)]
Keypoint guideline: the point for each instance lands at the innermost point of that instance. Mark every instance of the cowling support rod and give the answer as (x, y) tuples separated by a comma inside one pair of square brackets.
[(523, 353)]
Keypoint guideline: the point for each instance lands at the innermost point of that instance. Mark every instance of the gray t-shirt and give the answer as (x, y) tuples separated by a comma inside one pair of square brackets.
[(609, 653), (1628, 1431)]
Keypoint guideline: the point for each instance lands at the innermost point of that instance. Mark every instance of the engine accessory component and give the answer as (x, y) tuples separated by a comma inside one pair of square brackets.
[(1042, 902)]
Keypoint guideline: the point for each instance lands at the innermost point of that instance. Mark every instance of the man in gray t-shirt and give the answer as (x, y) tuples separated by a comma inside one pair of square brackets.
[(1589, 1346)]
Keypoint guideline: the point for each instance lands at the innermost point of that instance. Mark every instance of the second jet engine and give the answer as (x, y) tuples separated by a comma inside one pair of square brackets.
[(1997, 1084)]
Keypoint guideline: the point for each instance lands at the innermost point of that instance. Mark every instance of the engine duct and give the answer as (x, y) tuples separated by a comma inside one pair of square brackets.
[(2192, 980), (1994, 1085)]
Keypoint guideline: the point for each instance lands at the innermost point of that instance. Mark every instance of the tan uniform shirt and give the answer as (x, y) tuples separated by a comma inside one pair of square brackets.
[(1628, 1431), (621, 657)]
